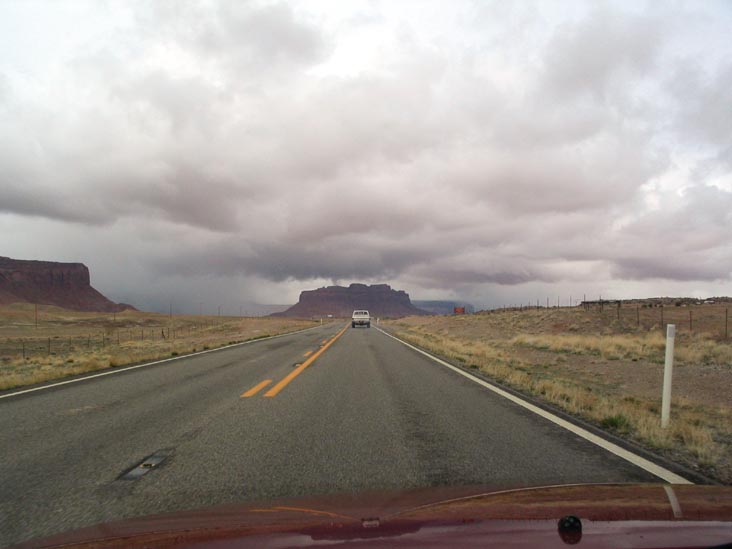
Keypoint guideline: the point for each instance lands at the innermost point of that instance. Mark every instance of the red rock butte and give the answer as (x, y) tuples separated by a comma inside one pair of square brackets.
[(64, 285), (379, 299)]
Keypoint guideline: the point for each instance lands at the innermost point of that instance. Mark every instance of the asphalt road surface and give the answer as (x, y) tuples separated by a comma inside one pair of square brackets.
[(366, 413)]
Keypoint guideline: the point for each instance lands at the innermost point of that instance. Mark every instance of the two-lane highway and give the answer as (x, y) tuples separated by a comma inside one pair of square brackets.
[(328, 410)]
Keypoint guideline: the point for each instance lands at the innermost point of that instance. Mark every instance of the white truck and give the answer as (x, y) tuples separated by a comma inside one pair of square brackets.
[(360, 318)]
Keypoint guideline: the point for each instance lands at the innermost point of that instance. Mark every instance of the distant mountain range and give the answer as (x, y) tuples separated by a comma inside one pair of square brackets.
[(440, 307), (379, 299), (64, 285)]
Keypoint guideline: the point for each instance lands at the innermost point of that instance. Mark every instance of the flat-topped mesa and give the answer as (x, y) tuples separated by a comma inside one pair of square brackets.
[(379, 299), (65, 285)]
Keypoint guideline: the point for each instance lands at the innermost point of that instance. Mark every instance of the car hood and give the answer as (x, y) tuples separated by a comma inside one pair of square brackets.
[(651, 515)]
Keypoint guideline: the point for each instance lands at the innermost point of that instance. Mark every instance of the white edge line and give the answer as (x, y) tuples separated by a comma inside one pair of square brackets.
[(119, 370), (636, 460)]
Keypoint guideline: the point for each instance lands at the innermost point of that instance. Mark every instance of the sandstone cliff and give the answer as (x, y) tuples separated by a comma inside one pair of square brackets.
[(379, 299), (49, 283)]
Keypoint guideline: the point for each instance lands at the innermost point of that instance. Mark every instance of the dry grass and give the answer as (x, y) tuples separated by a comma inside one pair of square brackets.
[(600, 372), (695, 349), (79, 355)]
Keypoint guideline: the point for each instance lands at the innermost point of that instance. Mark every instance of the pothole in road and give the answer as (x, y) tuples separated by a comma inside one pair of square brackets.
[(151, 462)]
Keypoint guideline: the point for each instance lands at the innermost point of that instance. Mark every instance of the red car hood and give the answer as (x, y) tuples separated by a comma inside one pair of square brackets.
[(609, 516)]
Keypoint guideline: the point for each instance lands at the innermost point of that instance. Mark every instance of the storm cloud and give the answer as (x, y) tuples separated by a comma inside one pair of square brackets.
[(243, 151)]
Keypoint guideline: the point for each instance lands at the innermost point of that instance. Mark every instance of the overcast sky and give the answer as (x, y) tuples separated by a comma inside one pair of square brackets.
[(498, 152)]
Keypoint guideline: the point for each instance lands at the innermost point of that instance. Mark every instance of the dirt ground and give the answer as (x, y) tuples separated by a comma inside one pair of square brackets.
[(705, 384)]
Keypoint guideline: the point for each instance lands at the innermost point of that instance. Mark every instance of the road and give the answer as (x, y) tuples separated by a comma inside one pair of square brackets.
[(366, 413)]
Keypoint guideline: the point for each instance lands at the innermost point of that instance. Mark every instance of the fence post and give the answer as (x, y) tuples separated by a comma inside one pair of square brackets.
[(662, 317), (690, 322), (49, 345), (726, 323), (23, 341), (667, 374)]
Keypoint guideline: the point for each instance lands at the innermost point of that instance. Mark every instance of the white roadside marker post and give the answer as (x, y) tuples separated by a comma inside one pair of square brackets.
[(667, 373)]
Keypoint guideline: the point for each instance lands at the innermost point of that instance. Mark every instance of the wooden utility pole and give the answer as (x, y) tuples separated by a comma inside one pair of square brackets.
[(36, 314)]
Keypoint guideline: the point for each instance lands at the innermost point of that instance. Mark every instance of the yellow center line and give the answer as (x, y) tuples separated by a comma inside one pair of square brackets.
[(274, 391), (254, 390), (308, 353)]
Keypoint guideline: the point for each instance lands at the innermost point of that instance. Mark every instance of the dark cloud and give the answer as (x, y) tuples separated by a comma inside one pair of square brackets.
[(686, 241), (601, 54), (704, 116), (183, 103), (692, 266), (235, 35), (235, 142)]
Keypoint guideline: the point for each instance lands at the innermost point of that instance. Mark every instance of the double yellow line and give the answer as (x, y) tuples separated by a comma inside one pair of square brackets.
[(274, 391)]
